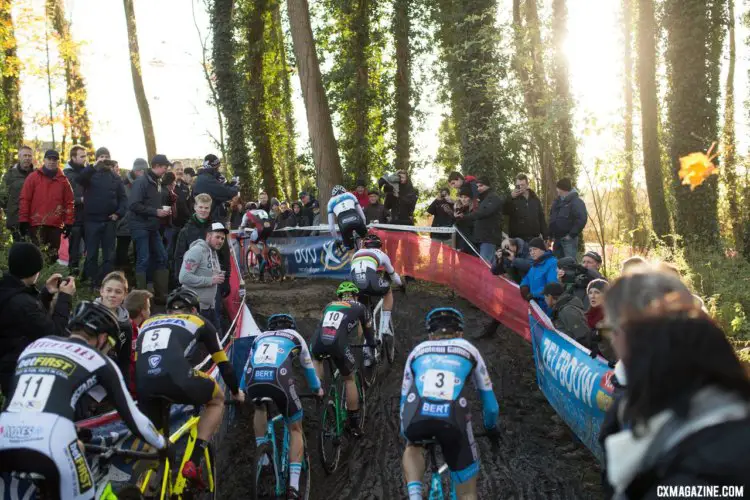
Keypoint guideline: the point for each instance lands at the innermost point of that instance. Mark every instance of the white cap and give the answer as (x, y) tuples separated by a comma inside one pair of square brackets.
[(218, 226)]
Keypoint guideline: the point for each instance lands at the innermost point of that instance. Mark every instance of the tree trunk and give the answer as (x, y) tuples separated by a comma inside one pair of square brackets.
[(257, 96), (136, 73), (650, 118), (628, 193), (11, 99), (401, 33), (230, 95), (730, 146), (693, 102), (323, 142), (288, 108), (566, 137), (80, 126), (360, 27)]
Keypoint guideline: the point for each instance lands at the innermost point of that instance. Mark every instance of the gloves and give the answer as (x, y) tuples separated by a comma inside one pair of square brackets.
[(526, 293), (224, 289), (494, 436), (67, 228), (170, 453), (23, 228)]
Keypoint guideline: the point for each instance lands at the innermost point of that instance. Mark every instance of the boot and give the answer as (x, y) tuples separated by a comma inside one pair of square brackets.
[(161, 286), (141, 281)]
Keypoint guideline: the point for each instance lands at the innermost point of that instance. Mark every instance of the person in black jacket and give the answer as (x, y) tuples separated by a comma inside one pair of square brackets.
[(183, 205), (525, 212), (286, 217), (375, 211), (488, 220), (208, 181), (567, 219), (461, 208), (404, 201), (25, 313), (145, 205), (441, 209), (76, 164), (106, 204)]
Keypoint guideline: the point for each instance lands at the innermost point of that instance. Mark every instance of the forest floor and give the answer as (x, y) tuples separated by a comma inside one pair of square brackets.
[(537, 458)]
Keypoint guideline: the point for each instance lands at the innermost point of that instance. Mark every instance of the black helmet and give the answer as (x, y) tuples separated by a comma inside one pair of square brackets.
[(442, 318), (182, 298), (95, 319), (281, 322), (372, 241)]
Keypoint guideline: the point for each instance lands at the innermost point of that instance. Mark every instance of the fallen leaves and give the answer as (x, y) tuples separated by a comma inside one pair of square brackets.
[(695, 168)]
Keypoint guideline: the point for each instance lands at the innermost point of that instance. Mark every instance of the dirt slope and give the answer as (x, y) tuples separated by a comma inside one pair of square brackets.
[(537, 458)]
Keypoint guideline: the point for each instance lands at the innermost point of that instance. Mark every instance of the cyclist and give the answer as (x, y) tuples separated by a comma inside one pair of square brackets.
[(165, 344), (260, 226), (37, 430), (269, 375), (366, 267), (433, 402), (345, 207), (340, 319)]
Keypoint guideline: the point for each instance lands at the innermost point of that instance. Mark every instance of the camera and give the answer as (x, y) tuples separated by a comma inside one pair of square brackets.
[(506, 253)]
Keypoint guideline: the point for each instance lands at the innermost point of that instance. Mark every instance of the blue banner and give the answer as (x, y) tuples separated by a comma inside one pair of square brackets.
[(578, 387), (313, 256)]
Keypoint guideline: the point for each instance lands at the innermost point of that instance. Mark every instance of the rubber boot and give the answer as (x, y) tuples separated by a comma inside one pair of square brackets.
[(141, 281), (161, 286)]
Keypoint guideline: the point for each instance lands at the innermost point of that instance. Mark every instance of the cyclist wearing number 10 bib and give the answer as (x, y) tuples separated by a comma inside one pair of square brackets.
[(346, 208)]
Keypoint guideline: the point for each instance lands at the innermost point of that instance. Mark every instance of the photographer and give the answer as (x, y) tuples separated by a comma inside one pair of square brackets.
[(210, 182), (512, 259), (576, 278), (441, 209)]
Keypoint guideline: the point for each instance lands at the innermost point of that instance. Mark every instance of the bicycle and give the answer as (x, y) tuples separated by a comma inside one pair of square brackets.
[(386, 341), (333, 416), (276, 463), (270, 259), (437, 472)]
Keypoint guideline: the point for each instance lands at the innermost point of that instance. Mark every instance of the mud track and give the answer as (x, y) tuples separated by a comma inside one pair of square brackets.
[(537, 458)]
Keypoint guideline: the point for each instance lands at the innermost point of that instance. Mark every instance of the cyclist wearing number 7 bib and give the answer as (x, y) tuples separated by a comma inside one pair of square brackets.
[(434, 405)]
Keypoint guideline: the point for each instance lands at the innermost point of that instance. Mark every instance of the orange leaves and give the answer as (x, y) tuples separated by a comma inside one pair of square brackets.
[(695, 168)]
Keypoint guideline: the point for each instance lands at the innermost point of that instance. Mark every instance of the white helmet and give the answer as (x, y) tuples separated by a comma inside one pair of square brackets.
[(337, 190)]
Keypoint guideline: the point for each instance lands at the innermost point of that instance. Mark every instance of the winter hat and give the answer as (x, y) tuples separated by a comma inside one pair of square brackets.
[(101, 151), (374, 191), (566, 263), (465, 190), (25, 260), (315, 204), (302, 194), (594, 255), (554, 289), (565, 184), (482, 179), (361, 182), (538, 243), (598, 284), (211, 161), (140, 164)]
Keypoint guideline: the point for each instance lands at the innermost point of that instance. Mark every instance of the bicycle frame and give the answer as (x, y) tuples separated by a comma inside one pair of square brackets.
[(436, 480), (283, 468), (339, 408)]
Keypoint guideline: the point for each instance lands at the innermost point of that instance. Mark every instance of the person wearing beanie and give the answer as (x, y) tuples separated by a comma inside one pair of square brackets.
[(487, 219), (209, 181), (567, 219), (543, 271), (101, 155), (567, 313), (360, 192), (26, 314), (575, 278)]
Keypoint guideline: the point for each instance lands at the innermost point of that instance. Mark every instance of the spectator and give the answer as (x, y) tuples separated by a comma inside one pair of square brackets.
[(10, 189), (685, 410), (297, 211), (201, 271), (236, 211), (567, 219), (461, 208), (574, 277), (46, 208), (375, 211), (182, 190), (360, 192), (631, 264), (404, 201), (286, 217), (208, 181), (275, 209), (77, 162), (138, 305), (106, 203), (189, 177), (592, 261), (441, 209), (543, 270), (316, 215), (25, 313), (264, 203), (525, 212), (112, 296), (145, 204), (512, 259), (168, 199), (307, 208), (122, 253), (457, 180), (567, 313), (488, 220), (595, 320), (101, 155)]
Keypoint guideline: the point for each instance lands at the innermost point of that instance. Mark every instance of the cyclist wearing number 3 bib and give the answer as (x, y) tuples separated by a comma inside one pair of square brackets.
[(434, 405), (166, 344), (346, 208)]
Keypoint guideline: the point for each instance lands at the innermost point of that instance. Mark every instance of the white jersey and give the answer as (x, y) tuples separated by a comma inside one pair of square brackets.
[(374, 258), (340, 205)]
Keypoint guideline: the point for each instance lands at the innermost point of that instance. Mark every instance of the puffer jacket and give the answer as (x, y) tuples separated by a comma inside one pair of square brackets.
[(73, 173), (567, 216), (104, 193), (46, 201), (143, 202), (10, 193), (543, 271), (197, 272)]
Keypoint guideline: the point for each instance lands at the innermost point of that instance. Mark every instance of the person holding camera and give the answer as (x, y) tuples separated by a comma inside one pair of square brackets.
[(441, 209), (525, 212), (512, 259)]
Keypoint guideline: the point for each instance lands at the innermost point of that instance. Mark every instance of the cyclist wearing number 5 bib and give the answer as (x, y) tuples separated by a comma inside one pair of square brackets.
[(163, 370), (434, 405), (340, 319), (346, 208), (37, 434)]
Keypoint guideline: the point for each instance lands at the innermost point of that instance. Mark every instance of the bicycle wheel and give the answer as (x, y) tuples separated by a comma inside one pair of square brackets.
[(304, 480), (329, 439), (208, 477), (251, 263), (361, 391), (264, 470), (275, 264), (389, 345)]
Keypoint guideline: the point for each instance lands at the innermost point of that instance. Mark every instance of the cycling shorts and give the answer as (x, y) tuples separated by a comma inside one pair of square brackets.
[(276, 384), (193, 388), (46, 444), (350, 221), (336, 347), (371, 283), (449, 424)]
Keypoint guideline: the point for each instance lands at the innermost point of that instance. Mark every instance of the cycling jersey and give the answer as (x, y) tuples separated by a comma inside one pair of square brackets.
[(261, 225), (365, 271), (269, 370), (51, 376), (348, 211), (340, 319), (434, 404)]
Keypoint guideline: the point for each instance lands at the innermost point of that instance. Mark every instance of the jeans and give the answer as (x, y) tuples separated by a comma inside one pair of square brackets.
[(214, 317), (100, 235), (567, 247), (487, 251), (148, 249), (75, 241)]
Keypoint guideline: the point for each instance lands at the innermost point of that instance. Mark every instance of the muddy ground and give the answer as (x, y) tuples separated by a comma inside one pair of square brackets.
[(537, 458)]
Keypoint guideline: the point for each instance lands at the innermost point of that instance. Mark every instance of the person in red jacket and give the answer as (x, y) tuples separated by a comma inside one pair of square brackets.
[(360, 192), (46, 206)]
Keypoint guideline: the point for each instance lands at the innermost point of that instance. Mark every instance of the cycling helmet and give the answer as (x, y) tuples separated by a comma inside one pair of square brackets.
[(347, 287), (182, 298), (281, 322), (337, 190), (442, 318), (95, 319), (372, 241)]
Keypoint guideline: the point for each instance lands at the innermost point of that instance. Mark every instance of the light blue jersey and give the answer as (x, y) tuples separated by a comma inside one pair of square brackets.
[(276, 349)]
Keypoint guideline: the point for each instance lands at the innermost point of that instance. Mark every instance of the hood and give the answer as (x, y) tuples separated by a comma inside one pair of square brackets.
[(545, 257), (201, 243), (10, 286), (568, 299), (73, 167), (523, 247), (122, 314), (570, 196), (58, 174)]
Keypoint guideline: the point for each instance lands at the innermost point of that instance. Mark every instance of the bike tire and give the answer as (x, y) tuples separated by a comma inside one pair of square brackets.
[(329, 440), (275, 266), (263, 483), (389, 346), (210, 482), (304, 480)]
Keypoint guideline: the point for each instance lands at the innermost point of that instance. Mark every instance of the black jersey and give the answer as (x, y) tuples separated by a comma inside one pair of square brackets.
[(340, 318)]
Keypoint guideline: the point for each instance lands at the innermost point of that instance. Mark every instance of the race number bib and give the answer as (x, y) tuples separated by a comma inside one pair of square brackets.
[(266, 354), (343, 206), (333, 319), (32, 393), (156, 339), (438, 384)]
